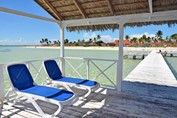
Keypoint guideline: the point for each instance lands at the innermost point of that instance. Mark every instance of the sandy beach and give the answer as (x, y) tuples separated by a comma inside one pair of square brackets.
[(169, 49)]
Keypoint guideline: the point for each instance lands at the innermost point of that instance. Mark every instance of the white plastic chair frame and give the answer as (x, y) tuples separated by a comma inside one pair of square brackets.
[(68, 85), (32, 98), (1, 107)]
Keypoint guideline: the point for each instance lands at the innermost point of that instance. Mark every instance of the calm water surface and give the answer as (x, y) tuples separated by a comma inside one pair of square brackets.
[(17, 54), (172, 63), (13, 54)]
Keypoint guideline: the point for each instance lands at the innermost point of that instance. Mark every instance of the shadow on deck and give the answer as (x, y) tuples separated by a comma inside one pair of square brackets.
[(136, 100)]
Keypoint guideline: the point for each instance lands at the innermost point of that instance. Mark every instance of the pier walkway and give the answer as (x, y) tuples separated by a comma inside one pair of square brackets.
[(154, 70)]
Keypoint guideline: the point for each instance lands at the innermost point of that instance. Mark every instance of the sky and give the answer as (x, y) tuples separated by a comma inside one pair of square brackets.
[(18, 30)]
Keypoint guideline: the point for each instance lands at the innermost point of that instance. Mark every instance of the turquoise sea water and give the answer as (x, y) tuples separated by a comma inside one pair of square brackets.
[(172, 63), (16, 54)]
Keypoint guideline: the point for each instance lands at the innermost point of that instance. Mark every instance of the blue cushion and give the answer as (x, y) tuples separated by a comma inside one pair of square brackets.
[(55, 74), (77, 81), (48, 92), (52, 69), (20, 76)]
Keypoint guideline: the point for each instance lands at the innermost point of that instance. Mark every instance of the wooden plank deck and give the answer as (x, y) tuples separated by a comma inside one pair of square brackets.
[(142, 98), (105, 103), (153, 69)]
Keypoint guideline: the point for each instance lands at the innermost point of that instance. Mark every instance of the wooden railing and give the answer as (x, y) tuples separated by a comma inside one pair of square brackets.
[(88, 68)]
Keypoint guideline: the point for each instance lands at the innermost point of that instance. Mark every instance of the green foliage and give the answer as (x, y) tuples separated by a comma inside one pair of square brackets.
[(96, 41), (99, 43), (127, 37)]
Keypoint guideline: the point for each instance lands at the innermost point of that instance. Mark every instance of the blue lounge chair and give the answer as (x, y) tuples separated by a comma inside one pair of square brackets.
[(55, 75), (24, 86)]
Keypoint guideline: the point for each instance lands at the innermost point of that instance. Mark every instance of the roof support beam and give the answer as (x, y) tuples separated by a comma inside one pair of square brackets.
[(10, 11), (110, 7), (80, 8), (53, 9), (143, 17), (150, 6)]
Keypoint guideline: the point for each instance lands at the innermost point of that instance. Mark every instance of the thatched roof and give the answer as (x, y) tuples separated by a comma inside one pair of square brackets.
[(82, 9)]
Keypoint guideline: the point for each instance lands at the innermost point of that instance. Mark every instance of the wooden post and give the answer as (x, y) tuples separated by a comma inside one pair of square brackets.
[(88, 69), (120, 60), (1, 88), (62, 63)]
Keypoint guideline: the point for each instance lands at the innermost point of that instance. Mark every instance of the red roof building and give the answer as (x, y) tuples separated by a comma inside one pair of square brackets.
[(125, 42), (155, 43)]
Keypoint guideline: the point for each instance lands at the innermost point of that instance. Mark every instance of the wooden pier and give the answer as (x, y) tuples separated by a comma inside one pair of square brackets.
[(142, 55), (153, 69), (149, 91), (135, 56), (169, 54)]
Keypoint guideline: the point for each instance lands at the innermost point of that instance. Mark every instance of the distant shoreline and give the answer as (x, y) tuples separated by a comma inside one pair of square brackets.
[(107, 48), (75, 47)]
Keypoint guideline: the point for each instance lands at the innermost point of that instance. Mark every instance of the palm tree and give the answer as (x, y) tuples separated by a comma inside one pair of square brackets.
[(41, 42), (141, 41), (98, 37), (169, 40), (66, 41), (159, 35), (50, 42), (148, 39), (144, 38), (54, 42), (134, 39), (174, 37), (46, 40), (83, 41), (94, 40), (154, 39), (78, 40), (90, 40), (127, 37)]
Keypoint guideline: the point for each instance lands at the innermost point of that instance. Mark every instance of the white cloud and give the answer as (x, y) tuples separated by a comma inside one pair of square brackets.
[(107, 38), (54, 39), (104, 38), (87, 36), (19, 41), (140, 35), (5, 41), (36, 42)]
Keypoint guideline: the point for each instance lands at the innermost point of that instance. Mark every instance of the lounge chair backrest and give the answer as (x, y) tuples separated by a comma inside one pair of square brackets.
[(20, 76), (52, 69)]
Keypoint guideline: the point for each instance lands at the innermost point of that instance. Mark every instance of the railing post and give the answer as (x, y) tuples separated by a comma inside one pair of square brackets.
[(62, 63), (88, 69), (120, 61), (2, 93)]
